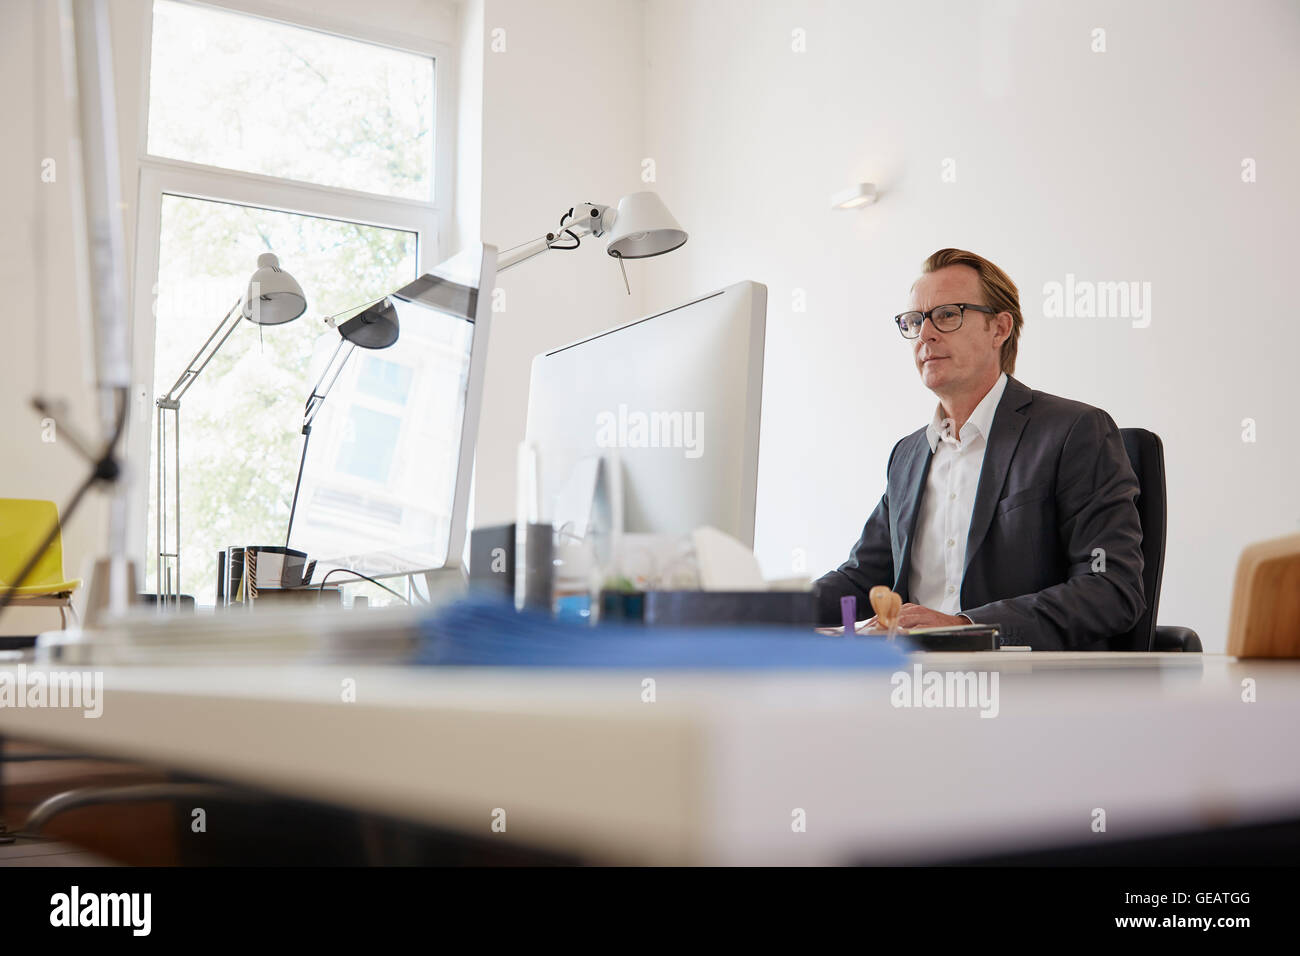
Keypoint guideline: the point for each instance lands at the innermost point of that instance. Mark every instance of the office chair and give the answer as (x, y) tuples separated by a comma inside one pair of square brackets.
[(24, 523), (1147, 455)]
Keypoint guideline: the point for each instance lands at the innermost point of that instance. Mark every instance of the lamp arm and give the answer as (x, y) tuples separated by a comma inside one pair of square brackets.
[(522, 253), (168, 518), (67, 430), (333, 369), (168, 455), (585, 225), (302, 462), (201, 359)]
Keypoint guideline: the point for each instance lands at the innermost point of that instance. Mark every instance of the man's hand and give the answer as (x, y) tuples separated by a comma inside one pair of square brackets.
[(914, 615)]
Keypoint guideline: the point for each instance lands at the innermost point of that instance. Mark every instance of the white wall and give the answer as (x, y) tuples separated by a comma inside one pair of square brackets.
[(1122, 165), (562, 124)]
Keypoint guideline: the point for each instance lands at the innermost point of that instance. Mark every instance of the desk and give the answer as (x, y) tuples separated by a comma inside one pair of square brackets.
[(711, 772)]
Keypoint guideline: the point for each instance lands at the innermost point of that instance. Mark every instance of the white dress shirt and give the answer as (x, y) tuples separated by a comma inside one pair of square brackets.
[(943, 522)]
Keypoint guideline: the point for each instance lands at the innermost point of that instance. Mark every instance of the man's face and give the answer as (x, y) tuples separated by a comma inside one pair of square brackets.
[(950, 362)]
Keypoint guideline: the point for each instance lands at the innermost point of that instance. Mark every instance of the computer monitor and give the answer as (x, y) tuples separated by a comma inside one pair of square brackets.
[(678, 394), (386, 483)]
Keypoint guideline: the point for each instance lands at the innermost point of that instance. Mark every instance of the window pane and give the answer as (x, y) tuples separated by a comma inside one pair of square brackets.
[(383, 379), (369, 443), (236, 91), (241, 421)]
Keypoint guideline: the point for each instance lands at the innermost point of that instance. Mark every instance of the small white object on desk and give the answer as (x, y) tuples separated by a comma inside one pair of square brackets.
[(725, 564)]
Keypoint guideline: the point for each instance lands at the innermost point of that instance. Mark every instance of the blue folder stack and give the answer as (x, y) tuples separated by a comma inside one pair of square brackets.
[(487, 632)]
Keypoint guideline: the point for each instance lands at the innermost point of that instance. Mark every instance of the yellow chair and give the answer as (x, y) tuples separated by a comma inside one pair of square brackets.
[(24, 523)]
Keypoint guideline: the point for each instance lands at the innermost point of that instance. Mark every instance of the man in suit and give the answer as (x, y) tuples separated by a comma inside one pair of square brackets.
[(1013, 507)]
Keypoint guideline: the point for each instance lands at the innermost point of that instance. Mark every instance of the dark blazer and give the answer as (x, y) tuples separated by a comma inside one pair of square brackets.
[(1056, 485)]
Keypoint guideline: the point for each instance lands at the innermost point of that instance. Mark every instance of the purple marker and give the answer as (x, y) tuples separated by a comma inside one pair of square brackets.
[(849, 613)]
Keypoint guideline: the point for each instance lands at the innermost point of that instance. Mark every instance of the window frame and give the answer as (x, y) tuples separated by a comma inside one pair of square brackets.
[(429, 219)]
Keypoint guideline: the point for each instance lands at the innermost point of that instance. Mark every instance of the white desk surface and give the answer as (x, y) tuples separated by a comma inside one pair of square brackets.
[(712, 771)]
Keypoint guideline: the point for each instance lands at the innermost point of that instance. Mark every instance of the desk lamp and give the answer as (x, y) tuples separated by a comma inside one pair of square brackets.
[(273, 297), (639, 228), (375, 327)]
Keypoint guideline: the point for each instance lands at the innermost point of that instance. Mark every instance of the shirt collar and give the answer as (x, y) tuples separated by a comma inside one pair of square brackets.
[(981, 419)]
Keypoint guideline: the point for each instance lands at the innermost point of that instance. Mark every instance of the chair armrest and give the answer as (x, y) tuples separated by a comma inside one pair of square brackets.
[(1173, 638)]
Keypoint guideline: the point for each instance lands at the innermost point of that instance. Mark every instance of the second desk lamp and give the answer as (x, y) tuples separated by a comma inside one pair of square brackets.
[(272, 297)]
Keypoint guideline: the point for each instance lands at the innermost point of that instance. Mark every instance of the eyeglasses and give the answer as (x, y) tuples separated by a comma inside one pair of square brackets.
[(946, 318)]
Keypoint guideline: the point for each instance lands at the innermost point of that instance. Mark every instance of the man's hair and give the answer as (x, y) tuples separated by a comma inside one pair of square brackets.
[(999, 291)]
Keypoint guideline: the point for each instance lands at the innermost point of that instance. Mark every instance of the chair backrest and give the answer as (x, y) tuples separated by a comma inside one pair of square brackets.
[(24, 523), (1147, 455)]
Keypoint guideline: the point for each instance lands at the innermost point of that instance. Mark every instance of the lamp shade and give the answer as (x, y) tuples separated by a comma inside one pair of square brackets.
[(273, 296), (643, 227), (373, 328)]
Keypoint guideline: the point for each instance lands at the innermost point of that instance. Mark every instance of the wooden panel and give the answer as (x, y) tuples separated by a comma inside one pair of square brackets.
[(1265, 618)]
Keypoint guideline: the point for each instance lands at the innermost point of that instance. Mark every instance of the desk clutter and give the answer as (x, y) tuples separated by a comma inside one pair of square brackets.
[(258, 575), (476, 630), (244, 571), (680, 591), (670, 580), (888, 606), (488, 631)]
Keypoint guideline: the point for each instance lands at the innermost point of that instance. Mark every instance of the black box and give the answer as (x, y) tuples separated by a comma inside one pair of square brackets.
[(687, 608), (492, 561)]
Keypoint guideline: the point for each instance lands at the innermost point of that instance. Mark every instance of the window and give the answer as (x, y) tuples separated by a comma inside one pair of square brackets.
[(383, 379), (265, 136), (238, 92)]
